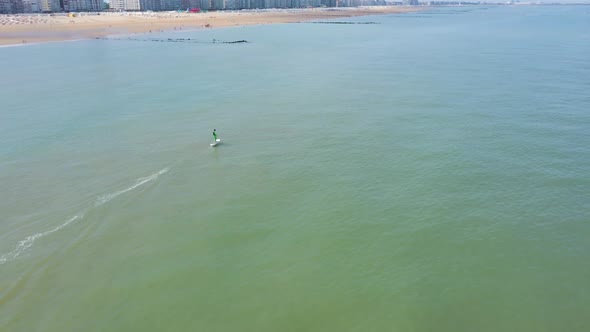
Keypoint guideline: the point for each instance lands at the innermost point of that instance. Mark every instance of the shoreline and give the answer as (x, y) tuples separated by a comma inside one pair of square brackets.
[(41, 28)]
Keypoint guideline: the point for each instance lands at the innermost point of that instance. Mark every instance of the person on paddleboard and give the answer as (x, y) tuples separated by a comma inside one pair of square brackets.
[(214, 135)]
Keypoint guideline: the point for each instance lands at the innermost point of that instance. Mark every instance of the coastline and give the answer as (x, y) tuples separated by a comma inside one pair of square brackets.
[(39, 28)]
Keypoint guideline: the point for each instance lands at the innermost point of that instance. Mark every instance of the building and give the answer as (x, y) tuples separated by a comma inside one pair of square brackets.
[(11, 6), (310, 3), (136, 5), (177, 4), (257, 4), (131, 5), (117, 4), (218, 4), (232, 4), (82, 5), (49, 5), (152, 5), (190, 4), (36, 6), (5, 7), (30, 6)]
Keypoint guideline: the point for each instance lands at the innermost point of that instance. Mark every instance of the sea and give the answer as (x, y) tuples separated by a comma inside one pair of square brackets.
[(427, 171)]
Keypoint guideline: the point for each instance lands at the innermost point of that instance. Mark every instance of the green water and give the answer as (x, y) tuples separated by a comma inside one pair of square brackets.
[(428, 173)]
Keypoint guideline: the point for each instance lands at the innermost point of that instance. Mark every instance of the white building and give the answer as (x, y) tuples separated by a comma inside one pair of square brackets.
[(117, 4), (132, 5), (125, 4)]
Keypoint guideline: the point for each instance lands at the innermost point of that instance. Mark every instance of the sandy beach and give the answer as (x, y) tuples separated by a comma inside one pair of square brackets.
[(35, 28)]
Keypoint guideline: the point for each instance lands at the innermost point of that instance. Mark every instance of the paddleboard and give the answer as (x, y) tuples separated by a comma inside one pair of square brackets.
[(217, 141)]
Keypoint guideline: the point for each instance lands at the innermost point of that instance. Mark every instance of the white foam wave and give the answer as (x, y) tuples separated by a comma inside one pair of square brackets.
[(105, 198), (29, 240)]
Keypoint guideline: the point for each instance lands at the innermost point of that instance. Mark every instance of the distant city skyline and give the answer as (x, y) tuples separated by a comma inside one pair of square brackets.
[(36, 6)]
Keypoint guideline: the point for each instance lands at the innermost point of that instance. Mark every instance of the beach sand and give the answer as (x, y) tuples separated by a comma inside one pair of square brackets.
[(35, 28)]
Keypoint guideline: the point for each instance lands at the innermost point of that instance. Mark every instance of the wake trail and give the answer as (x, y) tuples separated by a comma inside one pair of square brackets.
[(27, 242), (105, 198)]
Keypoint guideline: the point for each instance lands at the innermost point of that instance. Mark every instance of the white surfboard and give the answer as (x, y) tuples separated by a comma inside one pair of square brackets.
[(217, 141)]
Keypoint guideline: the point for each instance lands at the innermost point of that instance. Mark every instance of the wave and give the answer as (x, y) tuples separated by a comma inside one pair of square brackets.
[(105, 198), (27, 242)]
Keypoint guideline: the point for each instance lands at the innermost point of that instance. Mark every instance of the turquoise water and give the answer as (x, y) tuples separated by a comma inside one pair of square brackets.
[(428, 173)]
